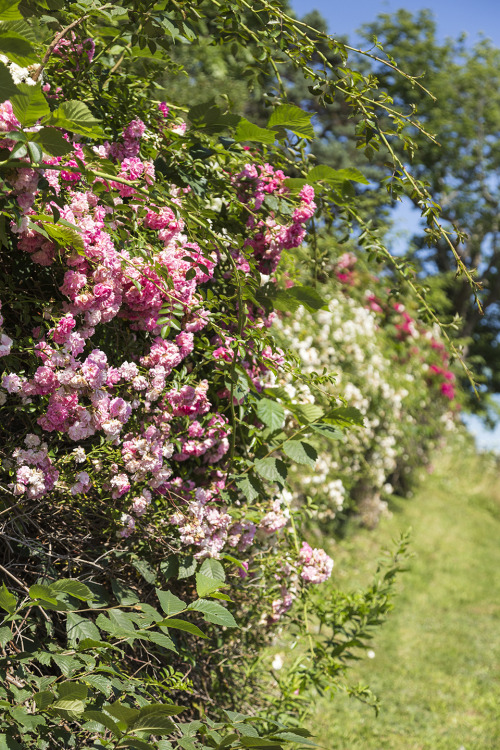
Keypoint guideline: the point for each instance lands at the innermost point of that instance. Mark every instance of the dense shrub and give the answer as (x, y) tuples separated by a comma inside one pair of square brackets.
[(392, 368), (150, 414)]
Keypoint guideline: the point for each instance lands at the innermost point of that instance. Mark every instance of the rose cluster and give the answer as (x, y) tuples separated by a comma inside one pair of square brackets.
[(129, 270)]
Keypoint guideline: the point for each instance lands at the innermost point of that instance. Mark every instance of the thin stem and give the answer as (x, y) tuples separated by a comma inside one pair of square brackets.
[(233, 363), (54, 44), (11, 575)]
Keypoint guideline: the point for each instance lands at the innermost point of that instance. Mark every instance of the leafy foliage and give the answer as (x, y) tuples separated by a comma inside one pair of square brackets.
[(149, 444)]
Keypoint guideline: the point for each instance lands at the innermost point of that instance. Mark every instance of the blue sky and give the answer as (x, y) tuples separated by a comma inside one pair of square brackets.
[(452, 16)]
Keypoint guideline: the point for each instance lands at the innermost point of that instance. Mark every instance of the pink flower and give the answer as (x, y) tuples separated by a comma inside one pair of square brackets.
[(45, 381), (5, 345), (12, 382), (63, 329), (281, 606), (317, 564), (82, 484), (447, 390), (223, 352), (163, 109), (120, 484), (274, 520)]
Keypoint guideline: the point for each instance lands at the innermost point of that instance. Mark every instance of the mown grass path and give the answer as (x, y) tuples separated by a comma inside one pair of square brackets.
[(437, 659)]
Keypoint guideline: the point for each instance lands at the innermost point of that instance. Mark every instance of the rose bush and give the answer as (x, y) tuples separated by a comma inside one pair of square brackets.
[(391, 367), (150, 406)]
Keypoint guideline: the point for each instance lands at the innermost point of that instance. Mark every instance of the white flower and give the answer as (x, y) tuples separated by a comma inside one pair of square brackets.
[(277, 662), (79, 455)]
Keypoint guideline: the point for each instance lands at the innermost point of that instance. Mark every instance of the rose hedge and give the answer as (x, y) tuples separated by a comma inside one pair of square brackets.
[(151, 409), (391, 367)]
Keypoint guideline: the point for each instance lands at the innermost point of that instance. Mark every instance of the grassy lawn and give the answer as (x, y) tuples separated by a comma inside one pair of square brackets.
[(437, 660)]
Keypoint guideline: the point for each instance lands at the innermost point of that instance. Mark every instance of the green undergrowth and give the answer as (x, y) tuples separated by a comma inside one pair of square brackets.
[(436, 662)]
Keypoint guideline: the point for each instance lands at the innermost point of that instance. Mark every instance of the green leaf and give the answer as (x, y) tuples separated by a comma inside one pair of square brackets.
[(187, 566), (220, 595), (290, 117), (345, 416), (272, 469), (90, 643), (155, 719), (52, 142), (29, 105), (169, 603), (7, 600), (271, 413), (205, 585), (328, 174), (17, 49), (9, 10), (213, 569), (327, 430), (155, 723), (21, 27), (124, 620), (42, 592), (137, 744), (43, 699), (308, 297), (213, 612), (295, 184), (148, 614), (8, 89), (307, 412), (293, 737), (190, 728), (64, 236), (76, 117), (300, 731), (207, 116), (116, 627), (188, 627), (248, 486), (161, 639), (71, 706), (284, 301), (170, 567), (145, 570), (123, 593), (27, 722), (236, 716), (124, 715), (6, 636), (289, 300), (67, 664), (247, 730), (9, 743), (104, 720), (72, 691), (259, 742), (43, 657), (73, 588), (79, 628), (247, 131), (100, 683), (187, 743), (301, 452), (34, 150)]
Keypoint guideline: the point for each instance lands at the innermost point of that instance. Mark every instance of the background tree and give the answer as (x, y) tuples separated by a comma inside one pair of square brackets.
[(462, 171)]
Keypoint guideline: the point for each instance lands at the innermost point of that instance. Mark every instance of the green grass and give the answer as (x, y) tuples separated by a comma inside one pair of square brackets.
[(437, 659)]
